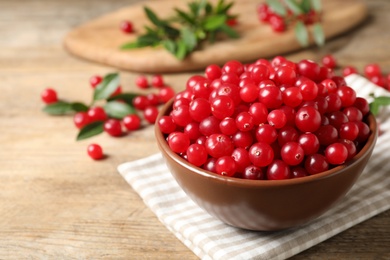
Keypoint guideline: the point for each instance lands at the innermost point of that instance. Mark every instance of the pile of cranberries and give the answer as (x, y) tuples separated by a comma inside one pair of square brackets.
[(269, 120)]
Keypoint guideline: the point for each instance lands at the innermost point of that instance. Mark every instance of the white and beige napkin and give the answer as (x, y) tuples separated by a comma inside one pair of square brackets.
[(209, 238)]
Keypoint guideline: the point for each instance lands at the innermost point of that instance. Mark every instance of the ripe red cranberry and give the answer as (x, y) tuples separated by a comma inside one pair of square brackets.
[(142, 82), (158, 81), (81, 119), (178, 142), (166, 124), (95, 151), (126, 26), (225, 166), (133, 122), (278, 170), (197, 154), (329, 61), (261, 154), (150, 114), (95, 80), (97, 114), (113, 127), (371, 70), (165, 94), (218, 145), (213, 72), (49, 96)]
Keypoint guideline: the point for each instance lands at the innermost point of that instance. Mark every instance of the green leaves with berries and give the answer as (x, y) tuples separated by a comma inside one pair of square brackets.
[(115, 106), (188, 29), (301, 14)]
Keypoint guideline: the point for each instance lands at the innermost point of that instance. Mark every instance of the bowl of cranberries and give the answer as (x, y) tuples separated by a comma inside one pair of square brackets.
[(268, 145)]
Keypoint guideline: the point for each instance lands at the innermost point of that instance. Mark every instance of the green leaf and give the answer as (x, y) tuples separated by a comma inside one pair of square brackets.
[(153, 17), (79, 107), (294, 7), (184, 16), (108, 86), (301, 34), (118, 109), (374, 108), (277, 7), (382, 100), (90, 130), (58, 108), (229, 31), (189, 38), (214, 22), (181, 51), (170, 46), (126, 97), (318, 33), (131, 45), (316, 4), (306, 5)]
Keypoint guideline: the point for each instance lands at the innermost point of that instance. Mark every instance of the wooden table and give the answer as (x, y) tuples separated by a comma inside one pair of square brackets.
[(55, 202)]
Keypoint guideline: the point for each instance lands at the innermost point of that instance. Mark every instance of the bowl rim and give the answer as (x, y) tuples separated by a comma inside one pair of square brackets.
[(369, 145)]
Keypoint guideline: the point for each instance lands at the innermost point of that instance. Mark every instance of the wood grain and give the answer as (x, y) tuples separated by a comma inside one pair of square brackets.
[(99, 40), (56, 203)]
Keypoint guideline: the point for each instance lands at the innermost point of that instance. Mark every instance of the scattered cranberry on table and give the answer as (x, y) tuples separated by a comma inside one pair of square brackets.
[(95, 151), (126, 26), (49, 96)]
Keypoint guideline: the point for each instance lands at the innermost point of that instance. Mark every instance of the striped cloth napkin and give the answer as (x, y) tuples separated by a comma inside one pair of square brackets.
[(209, 238)]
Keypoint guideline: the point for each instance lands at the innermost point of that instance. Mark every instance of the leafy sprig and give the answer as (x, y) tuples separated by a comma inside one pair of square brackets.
[(188, 29), (117, 106), (378, 102), (298, 11)]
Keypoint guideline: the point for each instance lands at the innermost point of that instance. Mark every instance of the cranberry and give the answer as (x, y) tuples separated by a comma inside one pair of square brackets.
[(142, 82), (266, 133), (192, 130), (292, 153), (242, 139), (308, 119), (199, 109), (329, 61), (316, 163), (150, 114), (157, 81), (218, 145), (178, 142), (95, 151), (81, 119), (225, 166), (113, 127), (336, 153), (372, 70), (228, 126), (348, 70), (133, 122), (253, 173), (97, 114), (278, 170), (196, 154), (261, 154), (241, 157), (213, 72), (49, 96), (126, 26), (140, 102), (95, 80), (165, 94)]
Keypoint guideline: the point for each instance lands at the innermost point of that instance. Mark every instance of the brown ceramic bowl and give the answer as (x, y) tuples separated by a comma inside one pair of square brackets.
[(265, 205)]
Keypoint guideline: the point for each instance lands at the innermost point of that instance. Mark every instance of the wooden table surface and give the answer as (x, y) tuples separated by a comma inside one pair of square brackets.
[(55, 202)]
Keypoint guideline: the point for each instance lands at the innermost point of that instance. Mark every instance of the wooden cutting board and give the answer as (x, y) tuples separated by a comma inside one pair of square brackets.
[(99, 40)]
